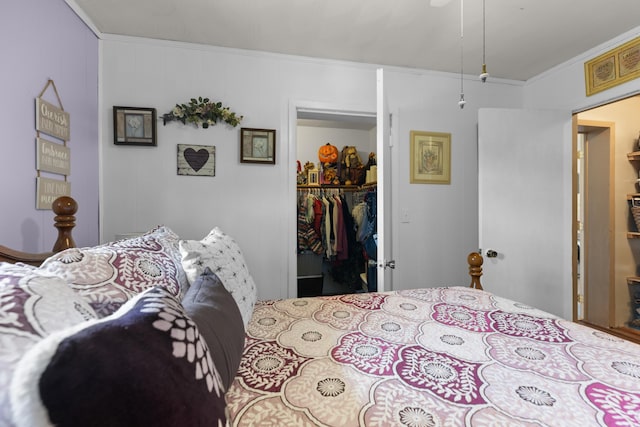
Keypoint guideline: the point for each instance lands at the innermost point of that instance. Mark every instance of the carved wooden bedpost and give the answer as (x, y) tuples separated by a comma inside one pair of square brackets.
[(475, 269), (65, 208)]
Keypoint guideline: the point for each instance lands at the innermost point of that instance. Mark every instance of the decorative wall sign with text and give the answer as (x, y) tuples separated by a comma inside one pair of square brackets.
[(196, 160), (52, 120), (52, 157), (48, 190)]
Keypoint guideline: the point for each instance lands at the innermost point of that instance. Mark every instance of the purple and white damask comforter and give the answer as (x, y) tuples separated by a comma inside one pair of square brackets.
[(429, 357)]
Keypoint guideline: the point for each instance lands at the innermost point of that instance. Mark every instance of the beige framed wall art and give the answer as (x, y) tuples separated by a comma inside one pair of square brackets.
[(258, 146), (430, 157), (613, 67), (134, 126)]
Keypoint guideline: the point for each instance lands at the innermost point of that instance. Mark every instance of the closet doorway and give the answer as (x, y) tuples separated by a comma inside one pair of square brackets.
[(607, 259), (317, 271)]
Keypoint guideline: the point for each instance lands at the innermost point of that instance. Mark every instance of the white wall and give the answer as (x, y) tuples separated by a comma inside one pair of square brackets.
[(432, 248), (310, 138), (563, 88), (253, 203), (44, 40), (256, 203)]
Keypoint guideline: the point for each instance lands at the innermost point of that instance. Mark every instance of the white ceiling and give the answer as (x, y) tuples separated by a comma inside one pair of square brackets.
[(523, 37)]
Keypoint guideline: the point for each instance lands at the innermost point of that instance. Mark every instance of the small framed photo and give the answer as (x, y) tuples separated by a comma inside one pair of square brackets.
[(430, 157), (134, 126), (313, 177), (258, 146)]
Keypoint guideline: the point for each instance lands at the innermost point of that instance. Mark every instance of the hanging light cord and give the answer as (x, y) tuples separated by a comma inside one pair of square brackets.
[(461, 44), (462, 101), (484, 74), (484, 32)]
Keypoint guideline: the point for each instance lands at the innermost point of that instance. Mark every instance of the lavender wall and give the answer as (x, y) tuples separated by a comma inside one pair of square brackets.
[(42, 40)]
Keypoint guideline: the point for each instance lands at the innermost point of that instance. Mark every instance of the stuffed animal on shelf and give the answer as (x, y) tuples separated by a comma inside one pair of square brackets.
[(351, 167), (330, 173)]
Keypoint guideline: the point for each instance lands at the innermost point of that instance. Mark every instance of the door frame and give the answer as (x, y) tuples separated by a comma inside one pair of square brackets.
[(577, 124), (319, 108)]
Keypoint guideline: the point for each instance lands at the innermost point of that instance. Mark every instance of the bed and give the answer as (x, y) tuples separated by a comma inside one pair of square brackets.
[(447, 356)]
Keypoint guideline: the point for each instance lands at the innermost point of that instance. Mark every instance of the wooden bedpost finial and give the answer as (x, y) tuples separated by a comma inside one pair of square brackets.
[(475, 269), (65, 208)]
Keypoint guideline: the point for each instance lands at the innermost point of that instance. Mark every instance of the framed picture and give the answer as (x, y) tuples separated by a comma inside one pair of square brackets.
[(258, 146), (134, 126), (196, 160), (430, 157), (614, 67), (313, 177)]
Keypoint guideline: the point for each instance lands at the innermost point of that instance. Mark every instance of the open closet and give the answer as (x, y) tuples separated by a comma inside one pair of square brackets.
[(336, 203)]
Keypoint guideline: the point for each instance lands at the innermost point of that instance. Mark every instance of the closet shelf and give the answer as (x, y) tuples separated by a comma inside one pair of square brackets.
[(634, 156), (633, 235), (342, 187)]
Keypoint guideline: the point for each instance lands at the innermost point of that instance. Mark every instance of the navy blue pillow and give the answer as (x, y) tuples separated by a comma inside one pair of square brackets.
[(145, 365)]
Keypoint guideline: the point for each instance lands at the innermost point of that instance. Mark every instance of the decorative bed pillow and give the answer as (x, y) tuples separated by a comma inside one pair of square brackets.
[(216, 313), (221, 253), (31, 307), (145, 365), (108, 275)]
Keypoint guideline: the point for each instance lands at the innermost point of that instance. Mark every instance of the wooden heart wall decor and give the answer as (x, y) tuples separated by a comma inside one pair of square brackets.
[(196, 160)]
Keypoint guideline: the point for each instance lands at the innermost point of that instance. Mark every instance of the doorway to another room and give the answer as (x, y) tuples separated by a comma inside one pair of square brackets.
[(606, 236), (346, 183)]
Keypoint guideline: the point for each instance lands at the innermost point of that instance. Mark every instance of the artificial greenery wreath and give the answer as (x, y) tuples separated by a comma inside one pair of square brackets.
[(203, 112)]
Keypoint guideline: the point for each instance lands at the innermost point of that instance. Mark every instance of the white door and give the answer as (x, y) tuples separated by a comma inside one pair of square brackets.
[(385, 259), (524, 168)]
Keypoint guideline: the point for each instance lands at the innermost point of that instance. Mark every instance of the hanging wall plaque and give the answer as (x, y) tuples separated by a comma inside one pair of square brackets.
[(52, 157)]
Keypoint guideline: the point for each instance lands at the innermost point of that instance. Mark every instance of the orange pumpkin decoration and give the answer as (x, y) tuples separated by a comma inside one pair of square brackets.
[(328, 153)]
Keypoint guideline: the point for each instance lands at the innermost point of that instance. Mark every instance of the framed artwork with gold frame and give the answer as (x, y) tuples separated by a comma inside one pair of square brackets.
[(430, 158), (613, 67)]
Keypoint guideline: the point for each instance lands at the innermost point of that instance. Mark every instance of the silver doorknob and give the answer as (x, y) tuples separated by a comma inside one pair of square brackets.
[(388, 264), (491, 253)]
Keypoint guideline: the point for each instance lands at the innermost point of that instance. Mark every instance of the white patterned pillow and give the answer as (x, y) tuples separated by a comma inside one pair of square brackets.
[(108, 275), (32, 306), (223, 256), (144, 365)]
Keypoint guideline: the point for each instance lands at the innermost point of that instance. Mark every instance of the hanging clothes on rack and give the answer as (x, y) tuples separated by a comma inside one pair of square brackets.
[(328, 227), (349, 263), (308, 238), (365, 217)]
